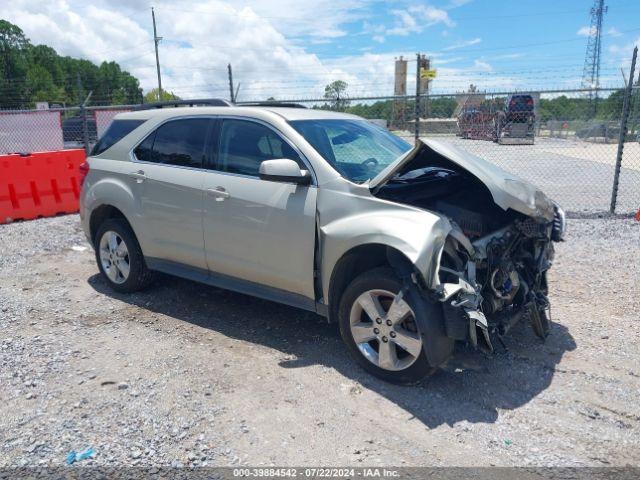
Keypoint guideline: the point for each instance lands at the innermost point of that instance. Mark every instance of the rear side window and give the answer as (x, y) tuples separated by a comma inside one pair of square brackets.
[(116, 131), (178, 142)]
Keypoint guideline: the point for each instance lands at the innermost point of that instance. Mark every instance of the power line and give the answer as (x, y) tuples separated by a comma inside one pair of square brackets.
[(314, 21)]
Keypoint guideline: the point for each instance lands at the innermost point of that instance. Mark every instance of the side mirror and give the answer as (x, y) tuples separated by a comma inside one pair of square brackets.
[(284, 170)]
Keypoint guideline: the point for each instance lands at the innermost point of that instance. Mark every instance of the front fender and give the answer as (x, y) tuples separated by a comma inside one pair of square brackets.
[(348, 223)]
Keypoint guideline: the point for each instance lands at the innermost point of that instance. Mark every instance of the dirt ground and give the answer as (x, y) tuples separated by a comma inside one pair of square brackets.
[(186, 374)]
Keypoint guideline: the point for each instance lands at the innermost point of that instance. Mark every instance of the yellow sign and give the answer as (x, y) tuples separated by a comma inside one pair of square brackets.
[(430, 74)]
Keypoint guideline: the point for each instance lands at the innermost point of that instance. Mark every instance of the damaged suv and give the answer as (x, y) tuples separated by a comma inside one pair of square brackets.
[(409, 249)]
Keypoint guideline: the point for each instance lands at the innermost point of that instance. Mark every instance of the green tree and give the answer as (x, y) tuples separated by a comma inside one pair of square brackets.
[(337, 92), (610, 108), (152, 96), (13, 65), (442, 107), (40, 85), (30, 73)]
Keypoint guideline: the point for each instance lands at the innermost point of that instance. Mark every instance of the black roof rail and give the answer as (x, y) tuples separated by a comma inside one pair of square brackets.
[(202, 102), (270, 103)]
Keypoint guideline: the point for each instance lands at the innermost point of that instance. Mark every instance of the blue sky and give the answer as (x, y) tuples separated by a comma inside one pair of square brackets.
[(542, 42), (292, 48)]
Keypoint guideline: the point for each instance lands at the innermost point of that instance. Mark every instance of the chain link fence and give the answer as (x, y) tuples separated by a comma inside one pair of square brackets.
[(547, 139), (26, 131), (561, 140), (555, 139)]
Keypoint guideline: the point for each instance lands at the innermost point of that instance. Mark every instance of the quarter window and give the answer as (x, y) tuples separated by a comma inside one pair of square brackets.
[(116, 132), (244, 145), (178, 142), (144, 151)]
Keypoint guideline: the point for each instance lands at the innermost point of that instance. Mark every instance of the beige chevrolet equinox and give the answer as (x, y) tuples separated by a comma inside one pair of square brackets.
[(410, 249)]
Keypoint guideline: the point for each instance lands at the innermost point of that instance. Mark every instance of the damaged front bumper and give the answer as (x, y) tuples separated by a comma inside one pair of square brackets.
[(498, 280)]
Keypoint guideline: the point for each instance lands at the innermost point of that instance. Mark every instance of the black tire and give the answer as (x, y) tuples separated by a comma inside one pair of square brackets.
[(139, 275), (540, 323), (426, 313)]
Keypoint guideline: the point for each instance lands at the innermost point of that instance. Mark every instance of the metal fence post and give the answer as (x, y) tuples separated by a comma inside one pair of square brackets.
[(623, 132), (85, 122), (417, 109), (85, 128)]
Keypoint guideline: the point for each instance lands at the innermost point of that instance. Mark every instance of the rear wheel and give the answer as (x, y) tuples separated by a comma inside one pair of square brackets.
[(379, 322), (120, 258)]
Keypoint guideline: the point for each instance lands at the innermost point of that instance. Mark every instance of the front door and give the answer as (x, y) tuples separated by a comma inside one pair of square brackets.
[(257, 230)]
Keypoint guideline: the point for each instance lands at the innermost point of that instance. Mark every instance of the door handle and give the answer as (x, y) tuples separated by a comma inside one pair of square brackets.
[(219, 193), (139, 176)]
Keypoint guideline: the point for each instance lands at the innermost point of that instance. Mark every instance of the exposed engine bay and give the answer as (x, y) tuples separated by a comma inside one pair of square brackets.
[(493, 268)]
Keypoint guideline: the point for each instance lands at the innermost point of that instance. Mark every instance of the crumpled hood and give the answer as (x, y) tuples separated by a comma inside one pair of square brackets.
[(507, 190)]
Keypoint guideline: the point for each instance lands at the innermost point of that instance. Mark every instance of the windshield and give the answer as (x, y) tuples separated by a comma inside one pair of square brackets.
[(357, 149)]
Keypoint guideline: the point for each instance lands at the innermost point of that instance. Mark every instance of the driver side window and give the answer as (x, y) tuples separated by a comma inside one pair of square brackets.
[(244, 145)]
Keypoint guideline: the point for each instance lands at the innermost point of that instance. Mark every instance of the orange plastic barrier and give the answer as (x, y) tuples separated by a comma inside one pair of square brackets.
[(41, 184)]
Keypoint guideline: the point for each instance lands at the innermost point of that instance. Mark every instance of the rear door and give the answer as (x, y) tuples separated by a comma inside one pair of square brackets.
[(257, 230), (169, 168)]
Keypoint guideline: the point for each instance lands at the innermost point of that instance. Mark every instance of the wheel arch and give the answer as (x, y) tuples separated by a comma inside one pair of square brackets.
[(415, 237), (102, 213), (358, 260)]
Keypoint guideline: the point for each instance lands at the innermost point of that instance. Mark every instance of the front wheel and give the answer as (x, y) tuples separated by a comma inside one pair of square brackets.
[(380, 324)]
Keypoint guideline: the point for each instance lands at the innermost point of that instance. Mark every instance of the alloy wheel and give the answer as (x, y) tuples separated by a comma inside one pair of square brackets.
[(114, 256), (384, 329)]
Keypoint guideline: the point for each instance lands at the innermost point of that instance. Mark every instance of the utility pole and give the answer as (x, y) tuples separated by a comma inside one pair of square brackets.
[(417, 106), (398, 118), (79, 87), (591, 71), (231, 95), (156, 40)]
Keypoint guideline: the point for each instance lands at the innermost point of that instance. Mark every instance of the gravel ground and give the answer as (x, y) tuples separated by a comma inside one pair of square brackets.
[(185, 374)]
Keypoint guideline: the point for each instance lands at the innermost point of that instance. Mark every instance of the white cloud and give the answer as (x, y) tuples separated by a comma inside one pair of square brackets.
[(466, 43), (261, 38), (508, 56), (405, 24), (90, 32), (458, 3), (586, 31), (482, 65), (613, 32), (621, 54), (446, 61), (416, 18), (306, 17), (431, 15), (480, 73), (266, 41)]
